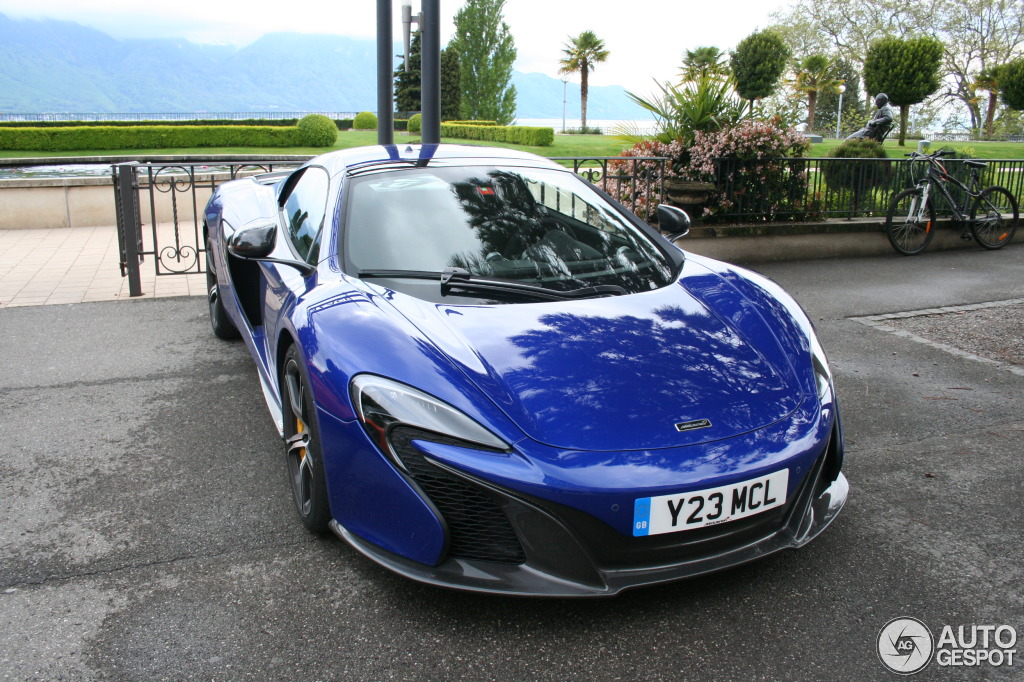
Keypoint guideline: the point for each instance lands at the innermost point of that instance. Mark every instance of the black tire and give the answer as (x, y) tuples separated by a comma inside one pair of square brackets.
[(908, 231), (223, 327), (994, 217), (303, 455)]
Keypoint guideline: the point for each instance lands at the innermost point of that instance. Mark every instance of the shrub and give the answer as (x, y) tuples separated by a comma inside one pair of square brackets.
[(857, 177), (344, 123), (532, 137), (102, 138), (316, 130), (415, 123), (472, 123), (283, 122), (365, 120), (746, 163)]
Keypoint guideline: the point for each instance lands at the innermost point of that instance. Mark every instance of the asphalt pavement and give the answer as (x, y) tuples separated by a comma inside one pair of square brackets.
[(148, 533)]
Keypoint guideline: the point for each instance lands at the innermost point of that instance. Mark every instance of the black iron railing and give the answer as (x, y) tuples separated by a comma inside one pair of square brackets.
[(160, 211), (787, 189), (160, 205)]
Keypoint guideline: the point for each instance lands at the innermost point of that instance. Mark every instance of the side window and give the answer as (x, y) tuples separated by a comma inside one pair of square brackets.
[(304, 211)]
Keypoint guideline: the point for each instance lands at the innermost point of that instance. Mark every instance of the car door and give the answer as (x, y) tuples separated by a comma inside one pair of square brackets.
[(302, 214)]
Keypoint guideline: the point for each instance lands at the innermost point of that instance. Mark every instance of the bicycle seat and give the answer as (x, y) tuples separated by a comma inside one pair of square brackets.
[(975, 164)]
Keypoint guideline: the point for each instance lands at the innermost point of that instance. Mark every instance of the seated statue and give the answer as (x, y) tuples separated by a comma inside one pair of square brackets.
[(880, 124)]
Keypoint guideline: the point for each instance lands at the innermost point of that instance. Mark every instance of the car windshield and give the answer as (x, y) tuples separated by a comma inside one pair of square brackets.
[(542, 227)]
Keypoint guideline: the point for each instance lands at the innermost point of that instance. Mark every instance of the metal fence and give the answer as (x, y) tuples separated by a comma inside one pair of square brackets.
[(812, 189), (160, 205), (160, 212)]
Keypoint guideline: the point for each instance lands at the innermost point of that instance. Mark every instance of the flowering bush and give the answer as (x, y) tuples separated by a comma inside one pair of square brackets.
[(744, 161), (746, 164), (746, 141)]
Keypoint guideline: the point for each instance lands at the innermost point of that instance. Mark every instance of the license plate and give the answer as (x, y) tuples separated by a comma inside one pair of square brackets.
[(709, 507)]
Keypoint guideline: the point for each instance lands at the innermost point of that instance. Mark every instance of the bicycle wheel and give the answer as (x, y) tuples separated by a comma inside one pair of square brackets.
[(908, 228), (994, 217)]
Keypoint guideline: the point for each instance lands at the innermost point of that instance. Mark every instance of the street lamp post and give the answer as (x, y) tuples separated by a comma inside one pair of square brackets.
[(839, 112), (565, 83)]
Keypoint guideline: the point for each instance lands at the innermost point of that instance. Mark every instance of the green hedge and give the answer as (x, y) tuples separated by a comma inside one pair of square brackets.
[(146, 137), (533, 137), (472, 123), (276, 122)]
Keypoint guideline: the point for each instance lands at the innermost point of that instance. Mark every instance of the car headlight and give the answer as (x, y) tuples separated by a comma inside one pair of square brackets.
[(822, 373), (382, 404)]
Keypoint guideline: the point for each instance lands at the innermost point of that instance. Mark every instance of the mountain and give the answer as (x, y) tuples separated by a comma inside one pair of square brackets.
[(49, 66)]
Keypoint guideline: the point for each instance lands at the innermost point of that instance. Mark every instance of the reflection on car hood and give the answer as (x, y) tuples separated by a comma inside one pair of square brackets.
[(615, 373)]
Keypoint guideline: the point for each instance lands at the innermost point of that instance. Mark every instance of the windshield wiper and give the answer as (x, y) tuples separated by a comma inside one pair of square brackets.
[(398, 274), (459, 279)]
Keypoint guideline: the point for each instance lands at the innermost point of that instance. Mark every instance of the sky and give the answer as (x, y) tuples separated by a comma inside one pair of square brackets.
[(646, 38)]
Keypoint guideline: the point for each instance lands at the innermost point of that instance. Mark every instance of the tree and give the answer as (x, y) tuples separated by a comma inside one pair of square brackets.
[(1011, 83), (815, 74), (704, 62), (451, 85), (580, 55), (988, 79), (851, 26), (407, 83), (486, 53), (825, 114), (757, 65), (907, 70), (976, 34)]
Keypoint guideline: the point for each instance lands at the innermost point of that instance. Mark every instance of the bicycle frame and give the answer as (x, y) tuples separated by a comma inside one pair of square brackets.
[(937, 175)]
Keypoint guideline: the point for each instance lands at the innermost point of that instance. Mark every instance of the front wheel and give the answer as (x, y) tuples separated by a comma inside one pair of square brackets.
[(908, 227), (994, 217), (303, 454)]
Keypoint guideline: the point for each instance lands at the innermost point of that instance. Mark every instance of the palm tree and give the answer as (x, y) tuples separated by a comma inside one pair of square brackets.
[(581, 54), (815, 73), (988, 79), (704, 62)]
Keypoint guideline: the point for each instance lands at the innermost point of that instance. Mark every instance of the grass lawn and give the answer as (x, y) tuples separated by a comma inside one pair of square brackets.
[(564, 145), (981, 150)]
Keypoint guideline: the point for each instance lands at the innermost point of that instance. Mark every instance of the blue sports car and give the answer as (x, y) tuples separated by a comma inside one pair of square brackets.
[(491, 376)]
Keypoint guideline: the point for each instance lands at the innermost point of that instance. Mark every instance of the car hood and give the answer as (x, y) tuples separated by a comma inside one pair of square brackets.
[(649, 370)]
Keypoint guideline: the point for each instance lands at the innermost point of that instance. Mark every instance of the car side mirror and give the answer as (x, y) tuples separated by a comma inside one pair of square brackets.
[(256, 243), (253, 242), (673, 221)]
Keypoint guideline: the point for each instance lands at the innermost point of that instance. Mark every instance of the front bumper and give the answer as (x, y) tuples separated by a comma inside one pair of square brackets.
[(568, 553)]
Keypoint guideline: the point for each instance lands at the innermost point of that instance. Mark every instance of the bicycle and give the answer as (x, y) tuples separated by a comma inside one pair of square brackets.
[(989, 214)]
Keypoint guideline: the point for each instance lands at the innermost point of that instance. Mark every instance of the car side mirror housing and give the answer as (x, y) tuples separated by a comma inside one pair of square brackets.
[(256, 243), (253, 242), (673, 221)]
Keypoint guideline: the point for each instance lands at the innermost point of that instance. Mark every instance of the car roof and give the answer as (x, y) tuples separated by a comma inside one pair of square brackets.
[(358, 158)]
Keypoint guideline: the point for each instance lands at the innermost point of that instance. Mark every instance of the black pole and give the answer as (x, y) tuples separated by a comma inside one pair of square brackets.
[(385, 75), (430, 72)]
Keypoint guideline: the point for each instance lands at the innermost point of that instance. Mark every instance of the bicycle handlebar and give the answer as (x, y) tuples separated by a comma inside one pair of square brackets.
[(933, 155)]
